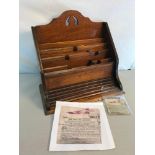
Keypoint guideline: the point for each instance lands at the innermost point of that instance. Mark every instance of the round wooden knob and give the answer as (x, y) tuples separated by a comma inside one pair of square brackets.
[(67, 57)]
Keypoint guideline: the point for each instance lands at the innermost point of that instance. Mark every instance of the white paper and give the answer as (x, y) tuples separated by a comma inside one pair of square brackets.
[(101, 138)]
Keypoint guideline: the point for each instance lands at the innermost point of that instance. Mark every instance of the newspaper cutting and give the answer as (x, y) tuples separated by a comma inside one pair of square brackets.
[(80, 126)]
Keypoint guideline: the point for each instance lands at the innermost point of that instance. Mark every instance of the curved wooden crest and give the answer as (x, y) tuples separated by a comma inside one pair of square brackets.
[(70, 25)]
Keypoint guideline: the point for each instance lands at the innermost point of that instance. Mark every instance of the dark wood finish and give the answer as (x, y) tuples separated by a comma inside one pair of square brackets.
[(78, 60)]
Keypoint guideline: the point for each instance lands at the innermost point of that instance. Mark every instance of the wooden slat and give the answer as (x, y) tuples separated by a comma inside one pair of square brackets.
[(81, 69), (76, 75), (74, 60), (75, 64), (91, 52), (85, 95), (83, 89), (56, 68), (80, 84), (70, 50), (92, 46), (91, 93), (99, 97), (92, 97), (82, 95), (79, 89), (70, 43)]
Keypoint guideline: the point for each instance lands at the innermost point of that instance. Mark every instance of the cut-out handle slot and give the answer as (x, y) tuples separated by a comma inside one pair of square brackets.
[(67, 22), (76, 21), (69, 18)]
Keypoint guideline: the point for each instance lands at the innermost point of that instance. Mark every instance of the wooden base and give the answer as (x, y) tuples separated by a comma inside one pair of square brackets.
[(83, 92)]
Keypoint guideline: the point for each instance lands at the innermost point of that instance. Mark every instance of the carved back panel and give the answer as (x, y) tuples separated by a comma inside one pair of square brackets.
[(71, 25)]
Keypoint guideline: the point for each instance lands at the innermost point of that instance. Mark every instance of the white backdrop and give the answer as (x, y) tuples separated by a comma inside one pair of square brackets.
[(118, 13)]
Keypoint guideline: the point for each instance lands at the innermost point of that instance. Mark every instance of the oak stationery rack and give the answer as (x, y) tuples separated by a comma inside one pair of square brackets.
[(78, 60)]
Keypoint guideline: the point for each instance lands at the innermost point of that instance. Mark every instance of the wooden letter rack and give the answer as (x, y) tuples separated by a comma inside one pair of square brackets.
[(78, 60)]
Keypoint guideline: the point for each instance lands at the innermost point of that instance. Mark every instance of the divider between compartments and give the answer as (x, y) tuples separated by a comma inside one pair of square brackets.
[(70, 43), (75, 75)]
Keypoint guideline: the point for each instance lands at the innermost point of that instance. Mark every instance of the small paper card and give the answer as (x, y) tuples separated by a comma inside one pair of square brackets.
[(117, 105)]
